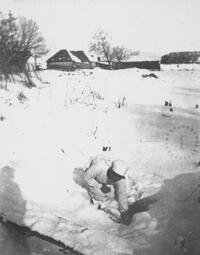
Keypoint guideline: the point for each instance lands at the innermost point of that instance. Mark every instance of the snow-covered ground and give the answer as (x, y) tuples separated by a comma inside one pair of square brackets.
[(47, 131)]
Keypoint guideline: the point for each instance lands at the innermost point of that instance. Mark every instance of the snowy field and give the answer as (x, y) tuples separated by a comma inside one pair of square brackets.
[(47, 131)]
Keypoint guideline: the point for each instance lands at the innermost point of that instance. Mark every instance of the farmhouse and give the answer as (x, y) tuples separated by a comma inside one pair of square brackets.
[(186, 60), (69, 61)]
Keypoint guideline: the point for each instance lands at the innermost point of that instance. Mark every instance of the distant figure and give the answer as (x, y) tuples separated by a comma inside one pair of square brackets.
[(166, 103), (106, 148), (123, 101), (170, 104), (99, 175), (196, 106), (171, 109)]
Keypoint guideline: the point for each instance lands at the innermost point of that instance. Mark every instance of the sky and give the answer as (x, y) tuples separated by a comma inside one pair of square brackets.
[(156, 26)]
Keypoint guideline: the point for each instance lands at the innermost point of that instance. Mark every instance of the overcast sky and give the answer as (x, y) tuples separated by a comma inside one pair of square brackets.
[(157, 26)]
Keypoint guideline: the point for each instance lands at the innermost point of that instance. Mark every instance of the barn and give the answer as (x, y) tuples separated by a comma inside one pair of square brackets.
[(142, 60), (69, 60), (185, 60), (153, 65)]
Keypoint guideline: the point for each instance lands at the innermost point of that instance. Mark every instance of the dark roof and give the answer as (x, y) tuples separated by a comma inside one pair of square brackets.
[(60, 56), (183, 57), (81, 55)]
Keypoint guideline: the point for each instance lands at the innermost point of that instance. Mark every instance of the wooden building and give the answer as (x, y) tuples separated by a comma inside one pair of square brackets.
[(142, 61), (69, 61)]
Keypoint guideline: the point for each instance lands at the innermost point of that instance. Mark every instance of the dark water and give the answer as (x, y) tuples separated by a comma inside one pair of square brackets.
[(16, 242)]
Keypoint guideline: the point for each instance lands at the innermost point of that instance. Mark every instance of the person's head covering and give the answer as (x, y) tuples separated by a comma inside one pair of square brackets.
[(119, 167)]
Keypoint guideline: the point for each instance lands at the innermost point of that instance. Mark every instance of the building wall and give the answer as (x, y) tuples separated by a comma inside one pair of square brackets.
[(69, 66), (84, 65), (168, 67), (151, 65), (66, 66), (102, 65)]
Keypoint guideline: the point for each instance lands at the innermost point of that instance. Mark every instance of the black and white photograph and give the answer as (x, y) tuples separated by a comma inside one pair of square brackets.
[(99, 127)]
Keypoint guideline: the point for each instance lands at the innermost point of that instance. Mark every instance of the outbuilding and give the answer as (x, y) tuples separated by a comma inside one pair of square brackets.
[(185, 60)]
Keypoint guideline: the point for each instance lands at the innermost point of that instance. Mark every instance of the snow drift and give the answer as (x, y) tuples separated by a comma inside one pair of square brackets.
[(59, 126)]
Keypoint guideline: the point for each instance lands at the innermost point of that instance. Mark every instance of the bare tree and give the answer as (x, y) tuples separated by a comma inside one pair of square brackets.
[(121, 53), (30, 42), (8, 46), (102, 46), (30, 38), (19, 39)]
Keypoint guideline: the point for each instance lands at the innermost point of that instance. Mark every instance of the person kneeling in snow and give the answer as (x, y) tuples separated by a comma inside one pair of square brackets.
[(99, 175)]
